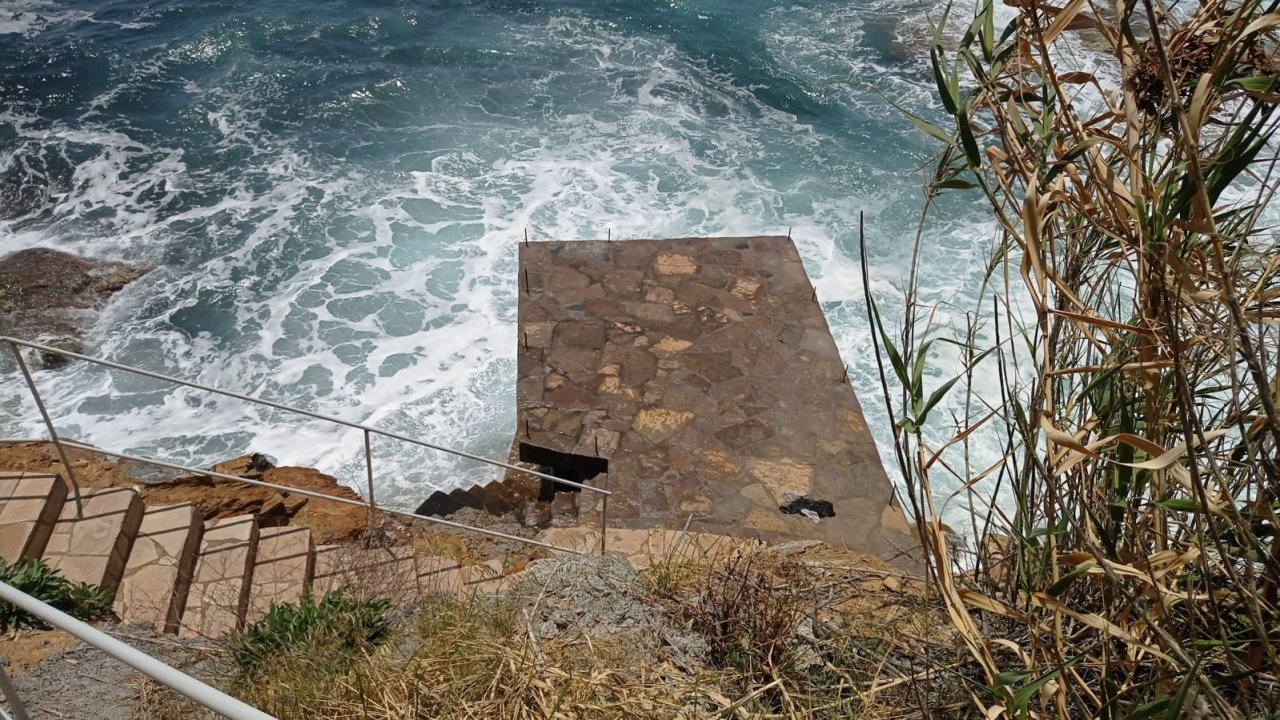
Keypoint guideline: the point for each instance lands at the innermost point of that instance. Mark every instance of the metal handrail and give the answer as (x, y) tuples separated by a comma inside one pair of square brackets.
[(48, 424), (289, 408), (12, 697), (296, 491), (170, 677)]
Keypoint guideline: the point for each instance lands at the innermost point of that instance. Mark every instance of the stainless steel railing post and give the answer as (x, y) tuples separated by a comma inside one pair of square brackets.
[(48, 423), (11, 696), (604, 514), (299, 411), (368, 468)]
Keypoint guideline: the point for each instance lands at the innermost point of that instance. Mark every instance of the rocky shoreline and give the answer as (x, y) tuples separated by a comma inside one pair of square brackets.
[(52, 297)]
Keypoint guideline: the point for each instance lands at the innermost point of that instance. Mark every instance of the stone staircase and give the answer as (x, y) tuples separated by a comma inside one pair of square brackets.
[(171, 568)]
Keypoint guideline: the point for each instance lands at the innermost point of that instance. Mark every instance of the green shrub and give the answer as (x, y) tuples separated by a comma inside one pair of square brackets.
[(331, 629), (33, 577)]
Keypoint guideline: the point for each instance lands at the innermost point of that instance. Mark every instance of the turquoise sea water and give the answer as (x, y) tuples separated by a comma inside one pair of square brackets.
[(332, 194)]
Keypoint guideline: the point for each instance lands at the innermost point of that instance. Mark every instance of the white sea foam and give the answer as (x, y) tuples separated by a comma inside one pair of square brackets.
[(27, 17), (389, 297)]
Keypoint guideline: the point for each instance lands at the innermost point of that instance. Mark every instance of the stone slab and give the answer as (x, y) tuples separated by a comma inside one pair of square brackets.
[(94, 547), (367, 573), (219, 593), (438, 575), (486, 579), (282, 569), (703, 369), (29, 506), (446, 576), (647, 547), (157, 577)]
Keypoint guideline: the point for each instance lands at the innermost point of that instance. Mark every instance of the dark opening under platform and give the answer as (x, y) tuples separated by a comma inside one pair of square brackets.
[(703, 371)]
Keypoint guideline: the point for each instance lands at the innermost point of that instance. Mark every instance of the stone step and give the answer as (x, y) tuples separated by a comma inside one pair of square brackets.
[(446, 576), (29, 506), (158, 575), (282, 569), (367, 573), (646, 547), (219, 593), (94, 547)]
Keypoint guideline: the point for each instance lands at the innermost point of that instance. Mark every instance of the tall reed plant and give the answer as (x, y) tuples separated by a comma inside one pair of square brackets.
[(1128, 565)]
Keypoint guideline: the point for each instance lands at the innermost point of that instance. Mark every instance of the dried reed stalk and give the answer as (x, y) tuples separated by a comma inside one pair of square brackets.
[(1134, 297)]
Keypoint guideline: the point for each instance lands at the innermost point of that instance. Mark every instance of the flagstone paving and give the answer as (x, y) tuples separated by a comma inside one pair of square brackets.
[(703, 369), (29, 506), (158, 574)]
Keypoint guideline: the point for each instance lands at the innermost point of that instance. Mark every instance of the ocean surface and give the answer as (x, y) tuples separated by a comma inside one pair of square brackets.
[(332, 194)]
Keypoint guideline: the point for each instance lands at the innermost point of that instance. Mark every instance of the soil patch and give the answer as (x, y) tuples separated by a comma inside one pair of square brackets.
[(77, 682)]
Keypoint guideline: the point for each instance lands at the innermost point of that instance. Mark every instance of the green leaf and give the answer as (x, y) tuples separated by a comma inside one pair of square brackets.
[(941, 25), (899, 367), (1181, 505), (988, 35), (1259, 83), (1023, 694), (980, 22), (1238, 152), (935, 398), (925, 125), (1011, 677), (1149, 710), (1066, 580), (946, 91), (1044, 532), (967, 139), (917, 370), (941, 392), (1069, 156), (955, 184)]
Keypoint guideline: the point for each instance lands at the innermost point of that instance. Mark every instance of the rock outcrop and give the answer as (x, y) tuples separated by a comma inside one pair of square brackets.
[(50, 296), (330, 521)]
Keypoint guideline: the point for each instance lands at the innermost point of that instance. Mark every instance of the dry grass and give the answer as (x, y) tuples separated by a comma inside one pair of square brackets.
[(475, 659), (1133, 299), (784, 638), (814, 638), (156, 702)]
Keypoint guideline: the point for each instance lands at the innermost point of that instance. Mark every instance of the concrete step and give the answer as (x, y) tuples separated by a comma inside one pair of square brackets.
[(367, 573), (445, 576), (219, 593), (158, 575), (647, 547), (94, 548), (282, 569), (29, 507)]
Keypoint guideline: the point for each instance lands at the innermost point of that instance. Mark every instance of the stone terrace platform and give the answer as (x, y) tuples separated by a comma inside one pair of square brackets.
[(703, 371)]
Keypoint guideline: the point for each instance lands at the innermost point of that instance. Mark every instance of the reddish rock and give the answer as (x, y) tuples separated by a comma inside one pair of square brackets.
[(216, 498)]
